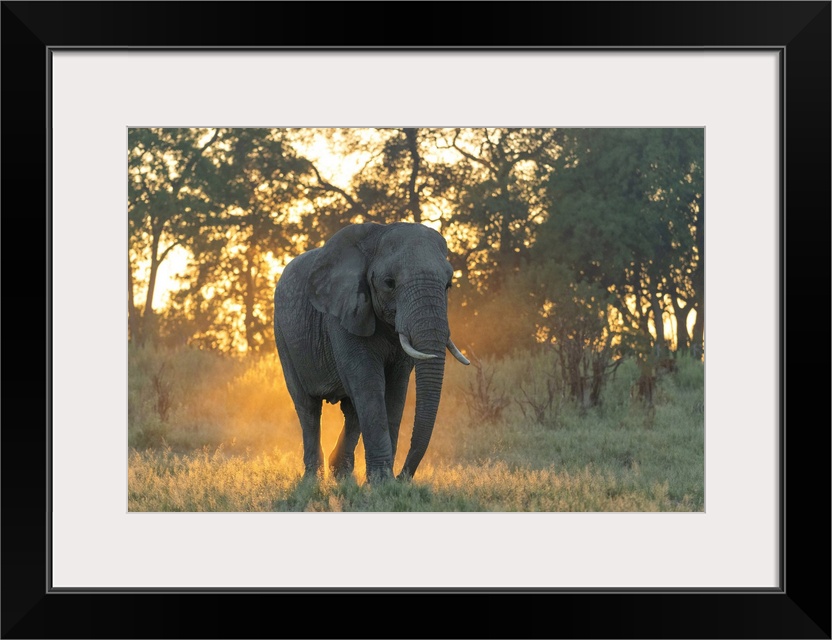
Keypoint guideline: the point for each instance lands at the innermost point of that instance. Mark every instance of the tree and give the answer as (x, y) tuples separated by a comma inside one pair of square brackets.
[(500, 201), (613, 215), (577, 321), (240, 239), (165, 192), (626, 217)]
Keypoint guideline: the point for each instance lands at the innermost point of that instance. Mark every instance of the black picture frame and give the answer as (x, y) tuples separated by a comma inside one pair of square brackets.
[(799, 608)]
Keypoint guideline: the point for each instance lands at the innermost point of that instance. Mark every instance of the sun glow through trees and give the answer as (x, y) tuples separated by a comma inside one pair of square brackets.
[(216, 214)]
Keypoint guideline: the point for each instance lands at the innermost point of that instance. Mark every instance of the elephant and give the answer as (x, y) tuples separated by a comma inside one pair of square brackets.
[(352, 319)]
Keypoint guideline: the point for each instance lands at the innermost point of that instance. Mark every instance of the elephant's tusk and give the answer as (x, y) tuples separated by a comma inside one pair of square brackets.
[(409, 350), (457, 353)]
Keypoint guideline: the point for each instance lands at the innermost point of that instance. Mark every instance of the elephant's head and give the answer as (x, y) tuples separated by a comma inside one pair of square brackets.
[(397, 275)]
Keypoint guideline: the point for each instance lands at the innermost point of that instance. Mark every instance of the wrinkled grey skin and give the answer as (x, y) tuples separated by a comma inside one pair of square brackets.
[(339, 313)]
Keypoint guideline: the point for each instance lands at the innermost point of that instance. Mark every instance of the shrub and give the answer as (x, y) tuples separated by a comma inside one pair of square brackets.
[(485, 402)]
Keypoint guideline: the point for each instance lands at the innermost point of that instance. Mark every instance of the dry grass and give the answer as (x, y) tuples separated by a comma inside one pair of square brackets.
[(231, 442)]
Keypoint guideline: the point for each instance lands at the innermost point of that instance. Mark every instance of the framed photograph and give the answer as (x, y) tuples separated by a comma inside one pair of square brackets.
[(576, 392), (719, 554)]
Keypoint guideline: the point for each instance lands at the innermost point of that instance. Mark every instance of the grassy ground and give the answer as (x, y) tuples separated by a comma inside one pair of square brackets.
[(210, 433)]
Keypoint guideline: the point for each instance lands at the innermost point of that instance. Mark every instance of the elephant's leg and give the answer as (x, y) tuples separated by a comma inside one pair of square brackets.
[(375, 431), (309, 412), (394, 397), (361, 370), (368, 399), (342, 458), (307, 408)]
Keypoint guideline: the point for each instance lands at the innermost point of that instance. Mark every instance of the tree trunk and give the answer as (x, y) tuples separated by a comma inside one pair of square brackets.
[(698, 277), (658, 321), (248, 299), (698, 340), (412, 191), (682, 337), (133, 320), (148, 322)]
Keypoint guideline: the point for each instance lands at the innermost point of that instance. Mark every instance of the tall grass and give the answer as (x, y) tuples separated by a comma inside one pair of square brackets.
[(225, 437)]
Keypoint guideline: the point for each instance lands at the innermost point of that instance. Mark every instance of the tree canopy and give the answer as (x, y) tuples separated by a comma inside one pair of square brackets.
[(589, 241)]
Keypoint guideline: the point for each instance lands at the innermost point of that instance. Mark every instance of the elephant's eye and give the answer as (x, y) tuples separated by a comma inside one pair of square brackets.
[(390, 283), (448, 286)]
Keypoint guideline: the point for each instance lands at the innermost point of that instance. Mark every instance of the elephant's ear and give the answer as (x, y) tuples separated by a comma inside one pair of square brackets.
[(338, 282)]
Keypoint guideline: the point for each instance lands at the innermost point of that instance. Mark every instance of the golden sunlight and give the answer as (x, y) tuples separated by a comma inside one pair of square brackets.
[(306, 181)]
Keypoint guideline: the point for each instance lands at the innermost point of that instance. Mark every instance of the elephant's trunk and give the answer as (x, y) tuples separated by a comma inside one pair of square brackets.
[(426, 331), (429, 376)]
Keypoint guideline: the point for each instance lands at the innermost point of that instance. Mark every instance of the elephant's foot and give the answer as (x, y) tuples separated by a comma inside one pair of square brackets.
[(342, 471), (341, 466), (313, 472), (377, 474)]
